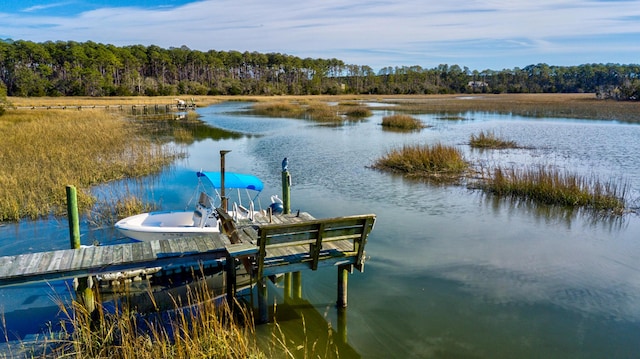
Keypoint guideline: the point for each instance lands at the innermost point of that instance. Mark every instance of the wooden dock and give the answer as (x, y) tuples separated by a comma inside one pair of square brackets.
[(267, 246)]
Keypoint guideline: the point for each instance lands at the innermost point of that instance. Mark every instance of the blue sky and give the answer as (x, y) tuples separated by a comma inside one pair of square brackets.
[(479, 34)]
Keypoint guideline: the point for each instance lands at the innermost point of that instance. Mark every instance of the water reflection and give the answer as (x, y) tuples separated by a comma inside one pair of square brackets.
[(452, 272), (557, 215)]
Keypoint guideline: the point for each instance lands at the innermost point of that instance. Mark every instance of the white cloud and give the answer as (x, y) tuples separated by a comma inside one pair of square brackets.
[(332, 29), (44, 7)]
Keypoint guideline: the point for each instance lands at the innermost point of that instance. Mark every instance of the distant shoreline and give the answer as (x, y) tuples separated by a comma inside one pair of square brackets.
[(582, 105)]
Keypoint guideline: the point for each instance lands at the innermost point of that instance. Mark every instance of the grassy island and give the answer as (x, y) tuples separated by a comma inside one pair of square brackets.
[(553, 187), (489, 140), (434, 161), (402, 123)]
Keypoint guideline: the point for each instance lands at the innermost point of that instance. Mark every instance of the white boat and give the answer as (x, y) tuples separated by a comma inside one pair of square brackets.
[(200, 221)]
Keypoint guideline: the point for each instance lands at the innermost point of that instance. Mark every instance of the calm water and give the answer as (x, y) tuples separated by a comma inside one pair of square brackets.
[(451, 272)]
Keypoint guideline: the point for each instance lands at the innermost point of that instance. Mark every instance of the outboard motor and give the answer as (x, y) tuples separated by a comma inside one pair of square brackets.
[(276, 205), (276, 208)]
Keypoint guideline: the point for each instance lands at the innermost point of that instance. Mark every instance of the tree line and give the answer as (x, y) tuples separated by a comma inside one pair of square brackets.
[(68, 68)]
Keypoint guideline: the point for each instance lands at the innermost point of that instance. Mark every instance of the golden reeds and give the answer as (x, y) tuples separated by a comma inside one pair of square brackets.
[(553, 187), (42, 151), (424, 160), (355, 112), (490, 140), (402, 122), (198, 326)]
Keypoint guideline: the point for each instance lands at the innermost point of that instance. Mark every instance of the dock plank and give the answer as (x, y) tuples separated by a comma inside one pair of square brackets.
[(44, 262), (78, 258), (127, 254), (105, 256), (55, 261), (87, 259), (337, 241), (5, 264), (34, 262), (155, 248)]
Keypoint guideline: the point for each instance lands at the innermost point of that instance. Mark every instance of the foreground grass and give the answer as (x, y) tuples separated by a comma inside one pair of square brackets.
[(552, 187), (490, 140), (423, 160), (194, 325), (197, 327), (42, 151)]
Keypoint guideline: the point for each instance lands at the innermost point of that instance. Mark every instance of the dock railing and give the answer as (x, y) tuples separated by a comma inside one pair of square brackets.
[(274, 239)]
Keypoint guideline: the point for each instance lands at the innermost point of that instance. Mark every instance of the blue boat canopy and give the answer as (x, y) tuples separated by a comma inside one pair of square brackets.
[(233, 180)]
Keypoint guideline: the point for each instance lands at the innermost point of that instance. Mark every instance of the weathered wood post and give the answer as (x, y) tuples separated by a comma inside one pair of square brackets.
[(222, 170), (292, 281), (84, 289), (343, 278), (286, 187)]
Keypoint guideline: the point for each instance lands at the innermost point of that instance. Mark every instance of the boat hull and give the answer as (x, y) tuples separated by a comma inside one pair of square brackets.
[(164, 225)]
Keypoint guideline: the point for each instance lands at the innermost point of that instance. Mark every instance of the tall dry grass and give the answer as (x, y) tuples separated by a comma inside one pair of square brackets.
[(42, 151), (402, 122), (553, 187), (198, 326), (311, 110), (490, 140), (584, 106), (424, 160)]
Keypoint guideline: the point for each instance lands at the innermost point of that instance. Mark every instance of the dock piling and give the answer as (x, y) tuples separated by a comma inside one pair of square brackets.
[(343, 278), (84, 287), (286, 187), (72, 213)]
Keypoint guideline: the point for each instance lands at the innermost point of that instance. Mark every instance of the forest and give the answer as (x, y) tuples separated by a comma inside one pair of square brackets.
[(68, 68)]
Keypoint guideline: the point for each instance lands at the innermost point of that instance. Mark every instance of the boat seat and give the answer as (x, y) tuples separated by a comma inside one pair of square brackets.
[(205, 200), (203, 210), (198, 219)]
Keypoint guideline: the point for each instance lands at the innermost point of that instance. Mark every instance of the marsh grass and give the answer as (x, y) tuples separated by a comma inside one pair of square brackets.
[(355, 112), (83, 102), (490, 140), (423, 160), (402, 122), (583, 106), (553, 187), (322, 112), (453, 118), (278, 109), (42, 151), (107, 211), (312, 110), (197, 327)]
